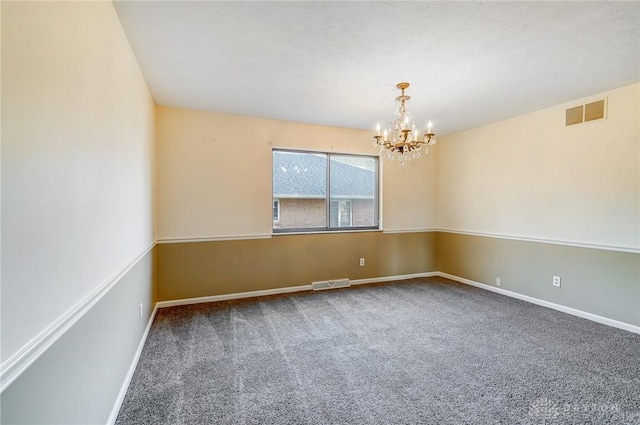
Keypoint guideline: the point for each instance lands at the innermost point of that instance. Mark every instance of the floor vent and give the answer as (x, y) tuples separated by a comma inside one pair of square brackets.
[(330, 284)]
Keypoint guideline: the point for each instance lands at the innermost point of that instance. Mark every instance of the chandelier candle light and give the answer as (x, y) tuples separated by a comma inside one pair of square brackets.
[(401, 139)]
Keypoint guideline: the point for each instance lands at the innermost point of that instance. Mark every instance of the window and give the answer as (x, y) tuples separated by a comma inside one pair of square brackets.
[(340, 214), (316, 191), (276, 210)]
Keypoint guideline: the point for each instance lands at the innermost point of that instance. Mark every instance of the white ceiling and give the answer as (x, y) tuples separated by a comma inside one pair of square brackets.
[(337, 63)]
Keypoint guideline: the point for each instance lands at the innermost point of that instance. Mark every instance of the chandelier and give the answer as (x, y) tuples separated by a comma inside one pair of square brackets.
[(401, 140)]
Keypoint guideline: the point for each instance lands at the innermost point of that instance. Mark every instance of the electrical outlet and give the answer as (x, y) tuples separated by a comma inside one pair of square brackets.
[(556, 281), (141, 310), (498, 281), (362, 262)]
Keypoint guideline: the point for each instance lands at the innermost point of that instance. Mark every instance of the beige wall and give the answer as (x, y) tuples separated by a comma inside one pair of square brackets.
[(214, 173), (198, 269), (605, 283), (531, 176), (77, 150), (513, 188), (214, 181), (77, 205)]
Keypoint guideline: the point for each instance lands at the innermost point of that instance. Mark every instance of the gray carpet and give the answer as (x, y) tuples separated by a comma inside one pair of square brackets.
[(421, 351)]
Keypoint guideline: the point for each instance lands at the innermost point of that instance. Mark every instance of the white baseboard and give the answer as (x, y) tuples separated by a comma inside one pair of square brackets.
[(134, 363), (276, 291), (575, 312), (235, 296), (392, 278)]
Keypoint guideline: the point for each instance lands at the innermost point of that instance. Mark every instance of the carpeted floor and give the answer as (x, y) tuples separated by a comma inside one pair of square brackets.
[(421, 351)]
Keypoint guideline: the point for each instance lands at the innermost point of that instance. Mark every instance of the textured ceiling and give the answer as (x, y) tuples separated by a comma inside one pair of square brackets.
[(337, 63)]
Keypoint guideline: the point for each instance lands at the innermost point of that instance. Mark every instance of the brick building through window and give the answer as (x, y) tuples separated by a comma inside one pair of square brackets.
[(300, 190)]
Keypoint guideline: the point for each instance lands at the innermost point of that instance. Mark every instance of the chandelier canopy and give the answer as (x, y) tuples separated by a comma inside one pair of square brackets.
[(400, 141)]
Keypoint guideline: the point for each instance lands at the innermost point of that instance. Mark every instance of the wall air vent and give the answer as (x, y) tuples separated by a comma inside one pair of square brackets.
[(594, 111), (590, 112), (330, 284), (575, 115)]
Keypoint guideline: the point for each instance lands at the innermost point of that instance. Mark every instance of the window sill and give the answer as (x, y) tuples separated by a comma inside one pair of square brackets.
[(322, 232)]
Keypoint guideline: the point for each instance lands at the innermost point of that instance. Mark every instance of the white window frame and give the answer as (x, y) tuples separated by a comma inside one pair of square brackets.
[(276, 206), (377, 197)]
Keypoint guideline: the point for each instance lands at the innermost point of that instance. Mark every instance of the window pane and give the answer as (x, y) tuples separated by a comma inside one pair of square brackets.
[(353, 191), (333, 214), (299, 184), (340, 214)]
